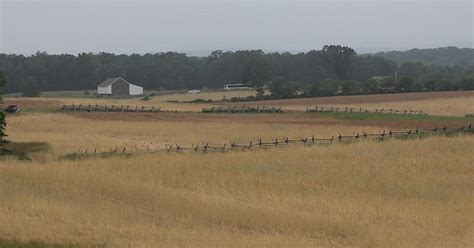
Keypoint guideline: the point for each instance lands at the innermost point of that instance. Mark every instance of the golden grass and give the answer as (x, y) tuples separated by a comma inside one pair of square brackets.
[(66, 133), (459, 106), (443, 106), (155, 101), (452, 103), (213, 95), (436, 103), (417, 193)]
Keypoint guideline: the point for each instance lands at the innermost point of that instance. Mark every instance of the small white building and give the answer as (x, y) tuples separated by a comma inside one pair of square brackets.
[(118, 87), (194, 92)]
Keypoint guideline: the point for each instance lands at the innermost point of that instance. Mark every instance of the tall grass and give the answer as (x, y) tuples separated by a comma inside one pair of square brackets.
[(415, 193), (67, 133)]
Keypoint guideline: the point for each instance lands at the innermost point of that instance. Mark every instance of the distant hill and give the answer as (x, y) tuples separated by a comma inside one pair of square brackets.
[(445, 56)]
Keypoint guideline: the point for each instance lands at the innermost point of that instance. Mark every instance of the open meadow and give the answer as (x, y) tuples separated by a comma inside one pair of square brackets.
[(400, 192)]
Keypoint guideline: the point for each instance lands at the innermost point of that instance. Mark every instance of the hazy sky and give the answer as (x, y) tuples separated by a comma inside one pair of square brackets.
[(155, 26)]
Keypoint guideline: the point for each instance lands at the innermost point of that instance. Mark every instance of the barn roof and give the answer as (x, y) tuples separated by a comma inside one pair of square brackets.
[(110, 81)]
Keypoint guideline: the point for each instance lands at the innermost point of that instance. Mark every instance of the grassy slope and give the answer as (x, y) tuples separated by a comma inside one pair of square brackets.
[(415, 193)]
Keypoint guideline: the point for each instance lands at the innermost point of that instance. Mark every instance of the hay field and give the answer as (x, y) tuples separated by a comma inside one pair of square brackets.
[(67, 133), (55, 101), (415, 193), (454, 103), (206, 95), (398, 193)]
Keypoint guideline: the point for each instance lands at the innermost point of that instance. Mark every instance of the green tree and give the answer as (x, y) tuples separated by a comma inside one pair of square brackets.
[(173, 70), (259, 94), (445, 85), (30, 88), (3, 125), (3, 122), (256, 72), (412, 69), (466, 84), (282, 88), (350, 87), (405, 84), (388, 85), (3, 81), (370, 86), (431, 85), (338, 59), (324, 88)]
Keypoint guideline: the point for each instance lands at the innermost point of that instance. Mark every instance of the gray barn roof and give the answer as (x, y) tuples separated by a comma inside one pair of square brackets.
[(110, 81)]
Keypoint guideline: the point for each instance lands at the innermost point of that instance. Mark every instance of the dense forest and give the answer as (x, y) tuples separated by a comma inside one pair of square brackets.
[(443, 56), (333, 70)]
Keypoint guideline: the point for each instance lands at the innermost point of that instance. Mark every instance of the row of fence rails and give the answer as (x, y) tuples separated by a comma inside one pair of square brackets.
[(243, 109), (329, 109), (111, 108), (276, 142), (384, 134)]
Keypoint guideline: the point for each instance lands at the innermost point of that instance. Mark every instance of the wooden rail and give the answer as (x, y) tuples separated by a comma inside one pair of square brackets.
[(330, 109), (259, 143), (243, 109), (112, 108)]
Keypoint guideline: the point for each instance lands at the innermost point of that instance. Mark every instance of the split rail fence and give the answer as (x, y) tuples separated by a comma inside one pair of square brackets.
[(278, 142), (329, 109), (243, 109), (112, 108)]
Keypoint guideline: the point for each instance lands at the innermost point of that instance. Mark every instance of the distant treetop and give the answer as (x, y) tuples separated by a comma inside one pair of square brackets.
[(443, 56)]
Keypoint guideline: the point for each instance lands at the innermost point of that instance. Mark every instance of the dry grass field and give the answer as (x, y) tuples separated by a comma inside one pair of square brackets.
[(166, 102), (453, 103), (397, 193), (67, 133)]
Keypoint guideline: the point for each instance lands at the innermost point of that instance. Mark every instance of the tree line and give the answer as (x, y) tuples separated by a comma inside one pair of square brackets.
[(3, 122), (444, 56), (333, 70)]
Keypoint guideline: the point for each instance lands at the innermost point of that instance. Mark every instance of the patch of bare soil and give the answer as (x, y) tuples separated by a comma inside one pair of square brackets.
[(360, 99)]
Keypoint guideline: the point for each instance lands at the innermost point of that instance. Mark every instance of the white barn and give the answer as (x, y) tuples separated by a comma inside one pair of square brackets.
[(118, 87)]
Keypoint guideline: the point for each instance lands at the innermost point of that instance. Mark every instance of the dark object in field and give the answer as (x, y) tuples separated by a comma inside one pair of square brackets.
[(13, 109)]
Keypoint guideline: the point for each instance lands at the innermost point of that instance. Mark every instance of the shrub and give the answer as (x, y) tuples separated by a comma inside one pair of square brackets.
[(200, 100), (3, 125)]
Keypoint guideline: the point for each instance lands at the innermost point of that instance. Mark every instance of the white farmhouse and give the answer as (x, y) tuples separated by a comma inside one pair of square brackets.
[(118, 87)]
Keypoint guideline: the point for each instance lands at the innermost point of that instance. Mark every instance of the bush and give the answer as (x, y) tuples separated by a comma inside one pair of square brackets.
[(145, 98), (3, 125), (200, 100)]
